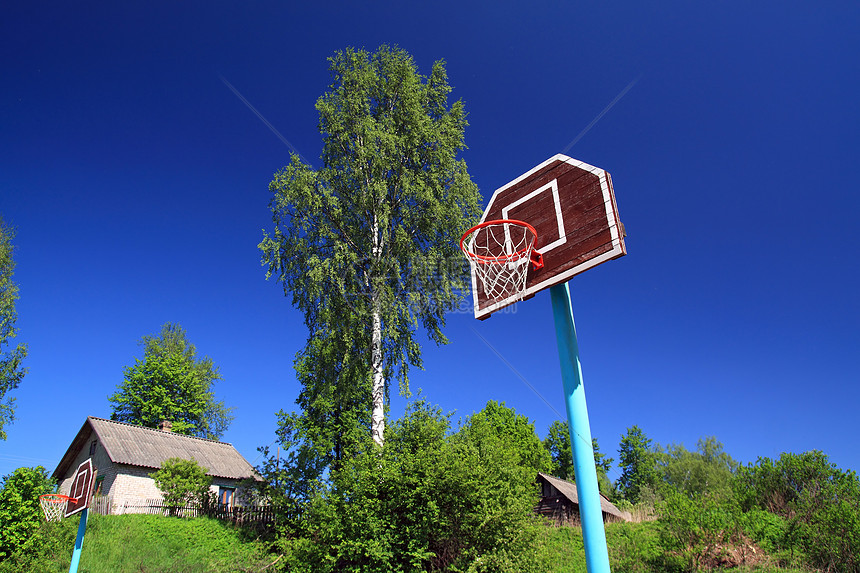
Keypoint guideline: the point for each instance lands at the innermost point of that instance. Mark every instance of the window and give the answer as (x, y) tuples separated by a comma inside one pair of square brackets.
[(93, 447), (225, 496), (99, 481)]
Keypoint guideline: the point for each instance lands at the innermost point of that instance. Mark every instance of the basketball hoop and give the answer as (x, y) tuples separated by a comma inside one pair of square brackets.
[(500, 252), (54, 505)]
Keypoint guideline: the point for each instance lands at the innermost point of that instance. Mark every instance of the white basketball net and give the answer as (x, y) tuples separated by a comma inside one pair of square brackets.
[(54, 506), (499, 254)]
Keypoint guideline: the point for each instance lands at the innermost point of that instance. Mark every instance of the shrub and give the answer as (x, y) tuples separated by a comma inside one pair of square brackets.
[(20, 512), (182, 481), (428, 500), (48, 547), (698, 527), (767, 529), (819, 503)]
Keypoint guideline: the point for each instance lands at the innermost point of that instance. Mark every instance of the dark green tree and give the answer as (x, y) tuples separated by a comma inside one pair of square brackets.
[(637, 459), (12, 370), (557, 443), (366, 244), (182, 482), (171, 383), (20, 512)]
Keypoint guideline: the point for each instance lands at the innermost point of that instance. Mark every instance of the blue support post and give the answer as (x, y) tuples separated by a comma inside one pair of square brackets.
[(593, 533), (79, 542)]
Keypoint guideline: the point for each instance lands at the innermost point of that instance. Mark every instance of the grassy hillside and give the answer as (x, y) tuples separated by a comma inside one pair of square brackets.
[(633, 548), (141, 543), (152, 544)]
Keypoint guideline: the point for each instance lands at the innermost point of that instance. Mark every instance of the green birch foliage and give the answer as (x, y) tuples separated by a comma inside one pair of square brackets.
[(20, 512), (374, 231), (171, 383), (11, 358)]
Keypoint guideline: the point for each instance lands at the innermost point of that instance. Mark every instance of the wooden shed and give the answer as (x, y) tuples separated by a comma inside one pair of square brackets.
[(560, 502)]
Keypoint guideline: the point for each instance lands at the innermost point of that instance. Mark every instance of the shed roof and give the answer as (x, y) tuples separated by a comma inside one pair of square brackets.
[(568, 490), (149, 448)]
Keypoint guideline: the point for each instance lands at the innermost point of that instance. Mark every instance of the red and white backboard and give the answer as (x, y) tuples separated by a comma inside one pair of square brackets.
[(81, 491), (572, 207)]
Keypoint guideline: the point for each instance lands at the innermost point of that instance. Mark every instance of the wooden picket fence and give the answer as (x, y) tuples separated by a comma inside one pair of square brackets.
[(255, 516)]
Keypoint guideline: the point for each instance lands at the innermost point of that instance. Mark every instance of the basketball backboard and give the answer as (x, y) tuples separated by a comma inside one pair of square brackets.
[(572, 207), (81, 490)]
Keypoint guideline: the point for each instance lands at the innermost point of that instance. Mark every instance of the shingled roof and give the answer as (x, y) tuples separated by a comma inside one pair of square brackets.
[(148, 448), (568, 490)]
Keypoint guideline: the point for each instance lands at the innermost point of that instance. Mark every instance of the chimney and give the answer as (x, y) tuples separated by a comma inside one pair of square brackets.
[(165, 425)]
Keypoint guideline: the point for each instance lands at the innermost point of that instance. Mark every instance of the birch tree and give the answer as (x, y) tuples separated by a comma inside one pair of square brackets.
[(366, 244)]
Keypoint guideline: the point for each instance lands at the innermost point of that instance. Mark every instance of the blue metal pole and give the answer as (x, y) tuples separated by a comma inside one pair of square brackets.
[(593, 534), (79, 542)]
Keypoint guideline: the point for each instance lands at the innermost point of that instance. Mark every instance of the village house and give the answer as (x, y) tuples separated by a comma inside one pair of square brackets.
[(124, 456), (560, 502)]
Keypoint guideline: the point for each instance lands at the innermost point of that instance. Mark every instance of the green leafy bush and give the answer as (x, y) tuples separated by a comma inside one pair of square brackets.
[(698, 528), (48, 547), (819, 503), (767, 529), (182, 481), (430, 500), (20, 512)]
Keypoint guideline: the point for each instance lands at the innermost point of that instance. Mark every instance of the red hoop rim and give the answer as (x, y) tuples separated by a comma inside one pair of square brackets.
[(56, 497), (500, 259)]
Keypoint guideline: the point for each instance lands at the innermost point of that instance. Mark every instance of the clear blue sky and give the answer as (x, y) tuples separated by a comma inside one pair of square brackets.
[(137, 181)]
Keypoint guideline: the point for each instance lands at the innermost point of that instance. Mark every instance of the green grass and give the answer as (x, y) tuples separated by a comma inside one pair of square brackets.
[(563, 549), (141, 543), (154, 544)]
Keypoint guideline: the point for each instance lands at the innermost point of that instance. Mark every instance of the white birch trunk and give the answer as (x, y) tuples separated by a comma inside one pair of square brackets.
[(377, 418)]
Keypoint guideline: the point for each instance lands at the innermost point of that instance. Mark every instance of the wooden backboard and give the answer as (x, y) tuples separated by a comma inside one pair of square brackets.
[(571, 205), (81, 490)]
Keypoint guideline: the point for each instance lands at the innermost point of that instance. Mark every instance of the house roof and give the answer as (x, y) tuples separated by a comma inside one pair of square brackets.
[(149, 448), (568, 490)]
